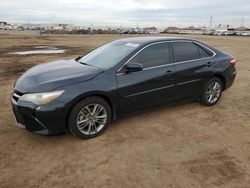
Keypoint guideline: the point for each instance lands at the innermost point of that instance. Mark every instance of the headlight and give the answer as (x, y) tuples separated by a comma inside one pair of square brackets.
[(41, 98)]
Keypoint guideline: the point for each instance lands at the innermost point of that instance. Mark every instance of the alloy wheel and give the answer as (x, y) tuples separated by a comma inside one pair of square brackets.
[(213, 92), (91, 119)]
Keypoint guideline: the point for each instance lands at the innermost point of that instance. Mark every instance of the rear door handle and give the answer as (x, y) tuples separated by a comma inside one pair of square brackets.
[(209, 64), (168, 73)]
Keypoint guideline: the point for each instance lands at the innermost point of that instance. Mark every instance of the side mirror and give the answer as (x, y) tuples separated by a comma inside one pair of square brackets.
[(134, 67)]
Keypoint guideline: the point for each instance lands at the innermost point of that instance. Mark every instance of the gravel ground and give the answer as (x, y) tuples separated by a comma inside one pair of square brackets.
[(179, 145)]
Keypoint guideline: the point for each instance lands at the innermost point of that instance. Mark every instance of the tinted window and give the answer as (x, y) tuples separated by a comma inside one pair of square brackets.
[(184, 51), (154, 55), (203, 53)]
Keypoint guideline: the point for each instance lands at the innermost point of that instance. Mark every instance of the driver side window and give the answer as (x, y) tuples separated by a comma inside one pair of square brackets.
[(154, 55)]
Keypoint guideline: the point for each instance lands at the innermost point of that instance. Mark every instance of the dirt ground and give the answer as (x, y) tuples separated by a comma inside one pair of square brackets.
[(181, 145)]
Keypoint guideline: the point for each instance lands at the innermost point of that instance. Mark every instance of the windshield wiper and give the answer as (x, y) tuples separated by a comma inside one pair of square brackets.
[(78, 58), (84, 63)]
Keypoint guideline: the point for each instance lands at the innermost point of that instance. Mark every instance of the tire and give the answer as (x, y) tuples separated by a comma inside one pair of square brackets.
[(87, 118), (209, 96)]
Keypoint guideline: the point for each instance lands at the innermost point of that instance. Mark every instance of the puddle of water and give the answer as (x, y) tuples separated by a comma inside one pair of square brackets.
[(33, 52), (46, 47), (40, 50)]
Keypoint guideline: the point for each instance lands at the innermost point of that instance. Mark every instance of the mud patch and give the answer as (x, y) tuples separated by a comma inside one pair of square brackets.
[(15, 65), (18, 70), (217, 169)]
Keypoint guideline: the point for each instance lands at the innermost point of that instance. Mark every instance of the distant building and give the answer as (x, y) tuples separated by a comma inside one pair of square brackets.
[(203, 28), (150, 30), (172, 29), (191, 28), (68, 27), (186, 30), (242, 29)]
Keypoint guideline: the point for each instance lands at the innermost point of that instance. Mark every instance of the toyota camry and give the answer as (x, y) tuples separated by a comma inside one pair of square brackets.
[(85, 94)]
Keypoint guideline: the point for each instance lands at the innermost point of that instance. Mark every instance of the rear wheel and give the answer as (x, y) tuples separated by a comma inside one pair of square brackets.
[(90, 117), (211, 92)]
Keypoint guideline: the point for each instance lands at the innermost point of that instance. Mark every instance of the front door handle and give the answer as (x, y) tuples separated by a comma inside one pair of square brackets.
[(168, 72)]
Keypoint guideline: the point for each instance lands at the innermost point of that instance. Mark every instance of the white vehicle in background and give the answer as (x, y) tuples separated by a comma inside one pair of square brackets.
[(246, 33), (220, 32), (6, 27), (217, 33)]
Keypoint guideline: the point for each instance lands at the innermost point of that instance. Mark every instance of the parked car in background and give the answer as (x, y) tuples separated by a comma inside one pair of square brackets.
[(85, 94), (208, 32), (238, 33), (229, 33), (217, 33), (246, 33)]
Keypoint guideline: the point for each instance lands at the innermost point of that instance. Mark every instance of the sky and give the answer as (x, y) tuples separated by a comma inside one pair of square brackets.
[(159, 13)]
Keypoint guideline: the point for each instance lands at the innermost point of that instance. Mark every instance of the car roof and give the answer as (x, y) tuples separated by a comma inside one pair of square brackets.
[(143, 41), (150, 39)]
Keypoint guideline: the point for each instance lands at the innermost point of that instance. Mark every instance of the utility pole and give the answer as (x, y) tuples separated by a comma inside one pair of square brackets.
[(210, 22), (242, 22)]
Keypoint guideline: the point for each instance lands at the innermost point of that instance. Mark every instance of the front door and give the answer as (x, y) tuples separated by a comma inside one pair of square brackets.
[(153, 85)]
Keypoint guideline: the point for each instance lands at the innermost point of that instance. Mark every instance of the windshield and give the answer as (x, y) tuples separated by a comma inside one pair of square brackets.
[(109, 55)]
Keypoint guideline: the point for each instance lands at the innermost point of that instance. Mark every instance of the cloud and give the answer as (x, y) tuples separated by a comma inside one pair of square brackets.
[(160, 13)]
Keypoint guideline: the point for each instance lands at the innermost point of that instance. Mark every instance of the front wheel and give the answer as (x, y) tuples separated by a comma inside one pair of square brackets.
[(211, 92), (90, 117)]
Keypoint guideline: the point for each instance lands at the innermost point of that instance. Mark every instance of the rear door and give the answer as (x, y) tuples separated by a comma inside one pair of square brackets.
[(194, 65), (151, 86)]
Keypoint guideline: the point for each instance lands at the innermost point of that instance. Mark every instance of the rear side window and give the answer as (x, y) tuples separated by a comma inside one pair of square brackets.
[(184, 51), (203, 53), (154, 55)]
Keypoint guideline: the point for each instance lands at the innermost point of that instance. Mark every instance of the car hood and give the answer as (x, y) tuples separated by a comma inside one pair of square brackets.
[(52, 75)]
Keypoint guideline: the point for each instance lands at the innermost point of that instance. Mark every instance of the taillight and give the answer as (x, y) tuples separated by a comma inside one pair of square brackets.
[(232, 62)]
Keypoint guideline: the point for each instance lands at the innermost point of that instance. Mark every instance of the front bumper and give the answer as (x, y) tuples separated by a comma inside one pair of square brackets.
[(45, 119)]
